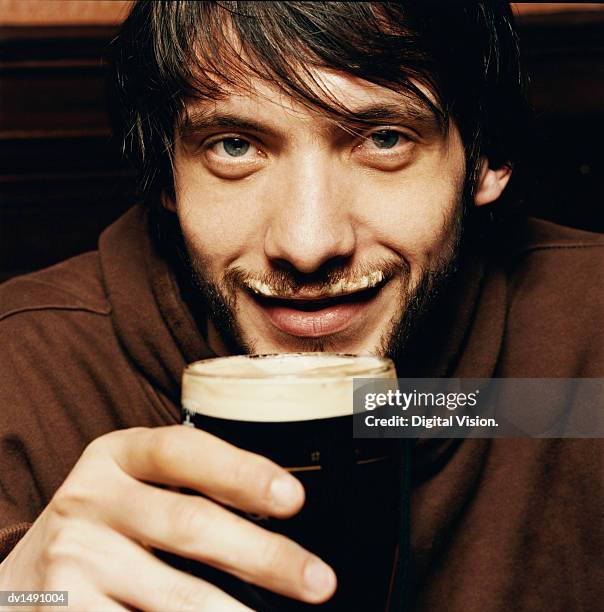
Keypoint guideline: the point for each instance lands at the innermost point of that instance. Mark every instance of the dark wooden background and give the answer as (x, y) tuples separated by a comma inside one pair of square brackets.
[(62, 180)]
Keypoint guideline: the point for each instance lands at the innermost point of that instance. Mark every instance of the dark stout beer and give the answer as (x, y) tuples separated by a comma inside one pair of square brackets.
[(296, 409)]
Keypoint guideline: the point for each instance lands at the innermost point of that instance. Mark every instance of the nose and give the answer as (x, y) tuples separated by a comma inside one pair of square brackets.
[(311, 222)]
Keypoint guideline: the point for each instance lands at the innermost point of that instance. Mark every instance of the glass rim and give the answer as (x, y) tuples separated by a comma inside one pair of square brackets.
[(381, 364)]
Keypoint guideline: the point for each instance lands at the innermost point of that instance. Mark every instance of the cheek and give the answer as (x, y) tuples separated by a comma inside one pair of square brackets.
[(413, 217), (412, 211), (219, 219)]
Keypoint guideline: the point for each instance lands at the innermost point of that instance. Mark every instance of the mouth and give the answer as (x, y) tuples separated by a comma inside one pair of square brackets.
[(313, 316)]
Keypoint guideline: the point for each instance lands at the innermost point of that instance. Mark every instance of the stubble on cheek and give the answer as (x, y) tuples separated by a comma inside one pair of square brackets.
[(432, 282), (215, 303)]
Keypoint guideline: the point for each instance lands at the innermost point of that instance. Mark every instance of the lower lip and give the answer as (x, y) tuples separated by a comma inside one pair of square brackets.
[(314, 324)]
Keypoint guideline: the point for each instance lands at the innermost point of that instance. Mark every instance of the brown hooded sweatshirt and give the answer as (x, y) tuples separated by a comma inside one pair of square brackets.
[(99, 342)]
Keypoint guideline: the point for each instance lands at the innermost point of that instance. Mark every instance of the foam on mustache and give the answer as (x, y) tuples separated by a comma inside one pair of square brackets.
[(335, 280)]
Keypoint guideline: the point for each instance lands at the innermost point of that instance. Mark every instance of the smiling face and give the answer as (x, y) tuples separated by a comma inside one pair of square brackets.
[(309, 234)]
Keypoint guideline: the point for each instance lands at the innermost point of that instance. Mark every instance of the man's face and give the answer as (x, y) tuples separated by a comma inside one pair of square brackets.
[(304, 236)]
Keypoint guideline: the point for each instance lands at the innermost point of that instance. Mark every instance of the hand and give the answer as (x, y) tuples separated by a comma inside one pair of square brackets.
[(94, 537)]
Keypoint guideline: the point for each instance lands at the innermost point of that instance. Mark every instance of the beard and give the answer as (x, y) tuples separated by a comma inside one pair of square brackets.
[(216, 301)]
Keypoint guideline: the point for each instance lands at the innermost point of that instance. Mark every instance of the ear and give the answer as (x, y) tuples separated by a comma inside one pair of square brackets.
[(167, 202), (491, 183)]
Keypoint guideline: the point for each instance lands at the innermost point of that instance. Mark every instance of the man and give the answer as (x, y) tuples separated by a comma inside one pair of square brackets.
[(314, 176)]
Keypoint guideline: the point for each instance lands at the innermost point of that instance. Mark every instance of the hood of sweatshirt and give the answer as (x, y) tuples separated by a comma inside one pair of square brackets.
[(460, 337), (151, 321)]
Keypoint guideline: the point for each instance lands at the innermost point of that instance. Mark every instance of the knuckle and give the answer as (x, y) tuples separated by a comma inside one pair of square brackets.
[(184, 596), (63, 548), (275, 556), (164, 449), (106, 444), (253, 475), (69, 500), (54, 577), (187, 524), (99, 445)]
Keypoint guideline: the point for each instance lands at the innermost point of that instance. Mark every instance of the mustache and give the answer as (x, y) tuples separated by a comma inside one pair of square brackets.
[(291, 282)]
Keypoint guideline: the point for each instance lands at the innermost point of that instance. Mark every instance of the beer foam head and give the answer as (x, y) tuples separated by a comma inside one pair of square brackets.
[(283, 387)]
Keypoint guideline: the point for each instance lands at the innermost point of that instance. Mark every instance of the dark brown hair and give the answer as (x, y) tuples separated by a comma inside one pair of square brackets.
[(464, 53)]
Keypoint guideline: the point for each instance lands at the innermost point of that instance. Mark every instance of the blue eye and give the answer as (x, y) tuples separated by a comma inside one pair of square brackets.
[(385, 139), (235, 147)]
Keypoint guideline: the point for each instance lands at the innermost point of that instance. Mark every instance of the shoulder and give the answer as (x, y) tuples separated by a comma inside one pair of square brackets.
[(555, 314), (62, 371), (548, 259), (538, 235), (59, 348), (556, 260), (73, 285), (58, 315)]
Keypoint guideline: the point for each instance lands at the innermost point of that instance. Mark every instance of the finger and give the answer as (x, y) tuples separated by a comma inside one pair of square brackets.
[(83, 593), (185, 457), (91, 604), (130, 574), (100, 604), (200, 529)]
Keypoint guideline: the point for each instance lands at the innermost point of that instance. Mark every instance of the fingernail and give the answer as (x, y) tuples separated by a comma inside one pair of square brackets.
[(319, 578), (285, 491)]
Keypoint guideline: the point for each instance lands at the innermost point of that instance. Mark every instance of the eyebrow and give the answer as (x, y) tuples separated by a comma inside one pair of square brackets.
[(198, 121), (416, 114), (382, 113)]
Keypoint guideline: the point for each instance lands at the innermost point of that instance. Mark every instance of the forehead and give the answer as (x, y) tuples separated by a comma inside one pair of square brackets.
[(335, 97)]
